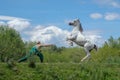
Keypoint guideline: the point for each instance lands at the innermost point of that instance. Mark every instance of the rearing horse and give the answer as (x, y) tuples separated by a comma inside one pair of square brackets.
[(77, 37)]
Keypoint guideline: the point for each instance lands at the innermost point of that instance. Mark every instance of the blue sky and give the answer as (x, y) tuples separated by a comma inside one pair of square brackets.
[(98, 17)]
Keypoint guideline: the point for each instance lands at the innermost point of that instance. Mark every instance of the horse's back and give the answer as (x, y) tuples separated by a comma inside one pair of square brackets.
[(80, 37)]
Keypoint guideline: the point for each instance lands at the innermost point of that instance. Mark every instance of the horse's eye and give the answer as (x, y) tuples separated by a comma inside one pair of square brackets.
[(75, 21)]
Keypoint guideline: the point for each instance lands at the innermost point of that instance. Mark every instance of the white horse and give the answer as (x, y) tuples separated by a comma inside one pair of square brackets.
[(77, 37)]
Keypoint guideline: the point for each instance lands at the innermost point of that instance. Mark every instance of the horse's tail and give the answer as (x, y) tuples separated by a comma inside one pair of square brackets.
[(95, 47)]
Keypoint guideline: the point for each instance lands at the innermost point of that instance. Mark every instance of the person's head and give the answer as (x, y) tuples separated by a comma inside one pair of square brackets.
[(38, 42)]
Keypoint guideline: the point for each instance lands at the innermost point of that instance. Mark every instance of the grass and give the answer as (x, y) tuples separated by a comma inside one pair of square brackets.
[(61, 71), (104, 65)]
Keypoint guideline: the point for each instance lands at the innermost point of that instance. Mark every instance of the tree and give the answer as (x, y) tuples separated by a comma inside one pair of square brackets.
[(56, 49), (11, 44), (114, 43)]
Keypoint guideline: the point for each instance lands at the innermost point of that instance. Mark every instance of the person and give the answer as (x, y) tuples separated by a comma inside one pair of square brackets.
[(35, 51)]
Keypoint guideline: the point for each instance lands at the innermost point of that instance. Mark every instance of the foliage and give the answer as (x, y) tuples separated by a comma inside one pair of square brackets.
[(54, 49), (11, 44), (29, 45), (114, 43)]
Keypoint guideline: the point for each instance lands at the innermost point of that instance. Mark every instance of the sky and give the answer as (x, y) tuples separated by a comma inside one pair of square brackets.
[(47, 20)]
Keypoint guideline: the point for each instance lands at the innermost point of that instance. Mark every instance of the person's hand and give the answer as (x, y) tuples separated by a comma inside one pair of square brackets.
[(52, 45)]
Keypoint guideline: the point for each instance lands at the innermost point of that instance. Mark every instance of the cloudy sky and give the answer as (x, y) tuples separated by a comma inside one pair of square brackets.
[(47, 20)]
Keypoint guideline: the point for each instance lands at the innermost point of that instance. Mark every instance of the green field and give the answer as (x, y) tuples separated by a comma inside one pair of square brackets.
[(60, 63), (67, 66)]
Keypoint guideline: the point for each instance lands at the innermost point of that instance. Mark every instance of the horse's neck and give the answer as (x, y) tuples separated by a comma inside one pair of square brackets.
[(75, 30)]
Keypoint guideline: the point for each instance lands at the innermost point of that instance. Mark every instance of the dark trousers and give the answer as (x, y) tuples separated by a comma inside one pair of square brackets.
[(39, 54)]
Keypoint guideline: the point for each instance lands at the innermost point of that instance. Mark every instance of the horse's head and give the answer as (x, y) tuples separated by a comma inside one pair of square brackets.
[(76, 23)]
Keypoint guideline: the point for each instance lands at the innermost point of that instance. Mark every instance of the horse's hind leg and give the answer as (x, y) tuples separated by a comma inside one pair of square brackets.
[(87, 56), (95, 47), (87, 48)]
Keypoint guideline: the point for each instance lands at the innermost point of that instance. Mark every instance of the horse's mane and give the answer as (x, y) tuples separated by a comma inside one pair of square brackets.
[(80, 27)]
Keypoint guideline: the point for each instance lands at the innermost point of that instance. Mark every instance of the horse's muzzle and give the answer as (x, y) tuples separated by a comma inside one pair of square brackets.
[(70, 23)]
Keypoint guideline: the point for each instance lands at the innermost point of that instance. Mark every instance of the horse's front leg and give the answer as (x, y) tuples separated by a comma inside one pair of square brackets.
[(70, 42), (71, 37)]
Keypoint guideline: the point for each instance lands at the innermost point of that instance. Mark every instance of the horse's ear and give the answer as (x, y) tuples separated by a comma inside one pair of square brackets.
[(77, 19)]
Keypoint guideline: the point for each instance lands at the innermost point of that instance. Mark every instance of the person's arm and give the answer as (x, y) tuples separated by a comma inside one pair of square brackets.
[(46, 45)]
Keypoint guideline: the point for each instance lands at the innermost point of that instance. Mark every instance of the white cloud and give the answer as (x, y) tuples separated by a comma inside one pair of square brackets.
[(55, 35), (46, 34), (50, 34), (112, 16), (106, 16), (112, 3), (17, 23), (2, 23), (96, 15), (9, 18), (115, 4)]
